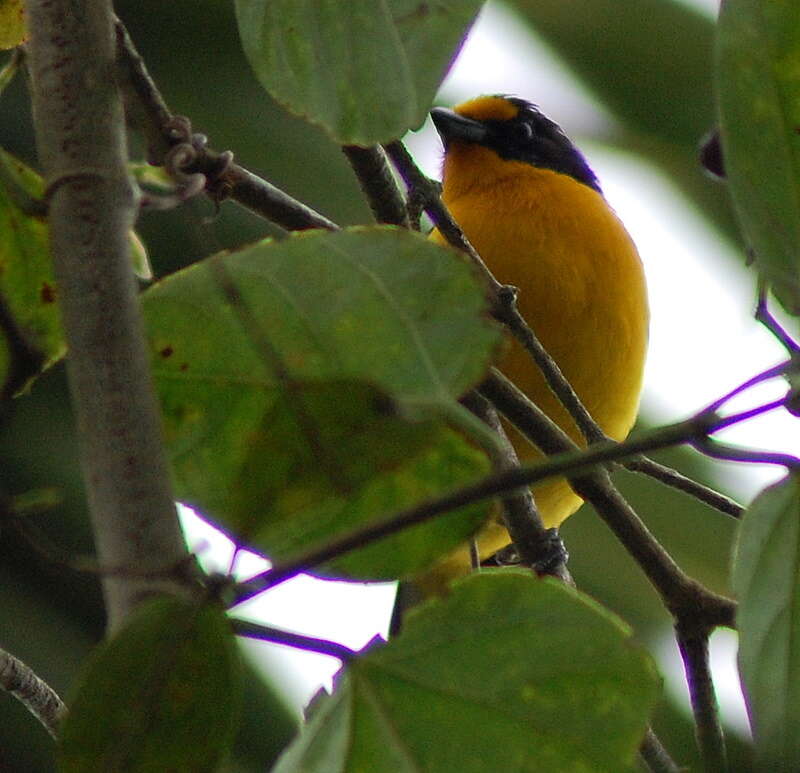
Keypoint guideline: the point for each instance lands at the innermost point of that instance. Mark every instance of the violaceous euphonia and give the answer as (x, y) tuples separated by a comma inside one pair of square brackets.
[(532, 207)]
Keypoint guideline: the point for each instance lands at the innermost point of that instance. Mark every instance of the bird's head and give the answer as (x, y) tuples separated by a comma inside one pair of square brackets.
[(483, 134)]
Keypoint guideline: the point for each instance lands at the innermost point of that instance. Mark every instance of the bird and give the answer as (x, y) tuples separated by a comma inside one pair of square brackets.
[(528, 201)]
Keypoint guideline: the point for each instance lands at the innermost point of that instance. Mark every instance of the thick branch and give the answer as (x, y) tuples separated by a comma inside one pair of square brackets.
[(80, 135), (36, 695)]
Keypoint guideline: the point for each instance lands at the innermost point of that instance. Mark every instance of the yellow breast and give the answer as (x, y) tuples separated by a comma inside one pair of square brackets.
[(581, 288)]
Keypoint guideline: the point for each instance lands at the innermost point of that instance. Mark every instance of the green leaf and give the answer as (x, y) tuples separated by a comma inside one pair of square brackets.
[(31, 325), (163, 694), (31, 322), (445, 464), (288, 410), (12, 23), (766, 579), (380, 304), (758, 85), (508, 673), (366, 71)]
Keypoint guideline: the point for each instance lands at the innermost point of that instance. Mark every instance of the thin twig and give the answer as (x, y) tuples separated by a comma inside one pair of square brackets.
[(655, 756), (766, 318), (147, 108), (421, 188), (509, 314), (730, 453), (377, 182), (693, 645), (278, 636), (676, 480), (781, 369), (35, 694), (678, 590), (681, 595)]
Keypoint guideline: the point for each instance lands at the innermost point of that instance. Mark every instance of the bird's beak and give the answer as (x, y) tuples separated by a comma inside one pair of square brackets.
[(453, 127)]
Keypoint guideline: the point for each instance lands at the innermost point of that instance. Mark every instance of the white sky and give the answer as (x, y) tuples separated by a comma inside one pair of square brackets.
[(695, 355)]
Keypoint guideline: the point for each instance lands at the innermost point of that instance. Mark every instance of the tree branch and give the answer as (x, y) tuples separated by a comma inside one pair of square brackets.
[(766, 318), (681, 594), (423, 189), (678, 591), (148, 110), (81, 141), (533, 542), (278, 636), (676, 480), (693, 645), (377, 182), (36, 695), (655, 756)]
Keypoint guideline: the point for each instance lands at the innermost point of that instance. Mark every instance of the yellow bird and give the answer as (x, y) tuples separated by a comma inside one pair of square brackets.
[(533, 209)]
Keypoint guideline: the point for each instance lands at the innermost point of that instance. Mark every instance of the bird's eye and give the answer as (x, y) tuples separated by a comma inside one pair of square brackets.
[(523, 132)]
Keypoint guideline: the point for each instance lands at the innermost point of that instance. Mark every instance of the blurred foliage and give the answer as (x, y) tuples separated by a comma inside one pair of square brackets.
[(758, 51), (767, 586), (648, 61), (27, 286), (180, 663)]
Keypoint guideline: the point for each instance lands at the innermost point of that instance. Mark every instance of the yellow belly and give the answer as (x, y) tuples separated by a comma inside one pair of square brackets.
[(582, 290)]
